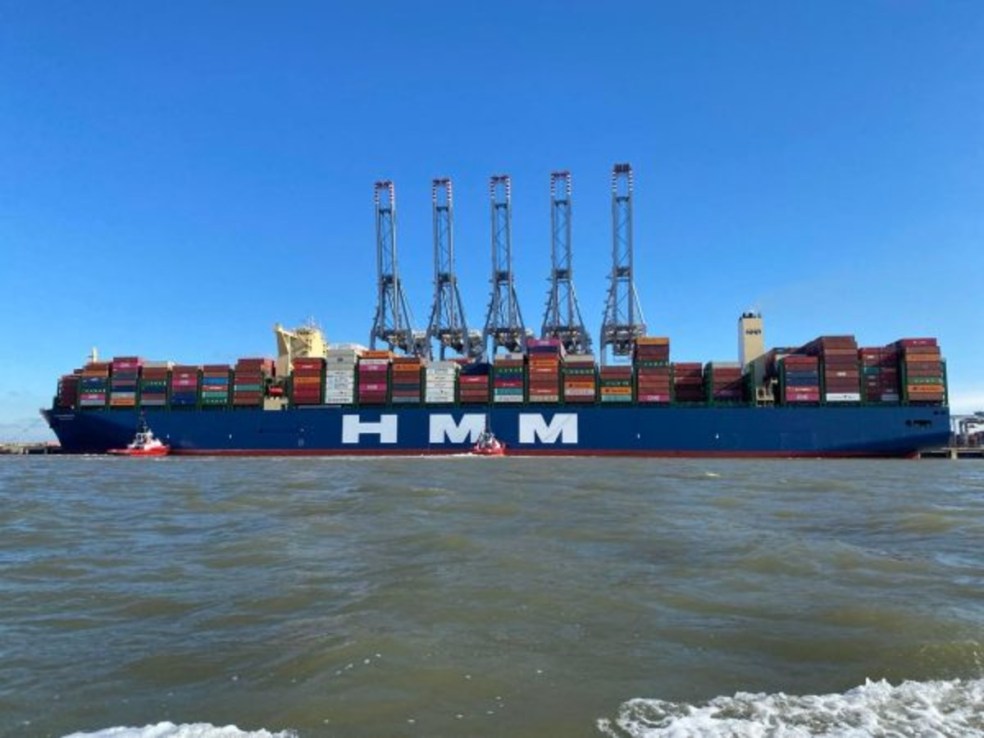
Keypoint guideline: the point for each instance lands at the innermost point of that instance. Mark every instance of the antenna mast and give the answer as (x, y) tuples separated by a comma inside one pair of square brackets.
[(623, 321), (562, 319)]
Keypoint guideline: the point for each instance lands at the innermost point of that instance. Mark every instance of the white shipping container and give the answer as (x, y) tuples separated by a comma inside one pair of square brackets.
[(439, 396), (334, 398), (508, 398), (843, 397)]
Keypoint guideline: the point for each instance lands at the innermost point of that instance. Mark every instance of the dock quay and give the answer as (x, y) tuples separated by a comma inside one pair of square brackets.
[(19, 449), (953, 452)]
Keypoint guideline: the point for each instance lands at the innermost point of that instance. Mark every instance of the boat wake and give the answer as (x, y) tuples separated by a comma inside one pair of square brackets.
[(941, 708), (191, 730)]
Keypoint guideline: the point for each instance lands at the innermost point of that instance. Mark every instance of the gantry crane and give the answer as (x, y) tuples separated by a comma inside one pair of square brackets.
[(562, 319), (623, 322), (447, 324), (504, 321), (393, 323)]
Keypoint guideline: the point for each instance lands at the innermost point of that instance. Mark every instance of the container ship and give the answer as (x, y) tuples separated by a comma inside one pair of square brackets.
[(546, 395), (827, 398)]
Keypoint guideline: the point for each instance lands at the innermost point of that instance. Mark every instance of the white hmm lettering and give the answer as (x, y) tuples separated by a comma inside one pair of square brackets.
[(353, 428), (443, 429), (562, 425)]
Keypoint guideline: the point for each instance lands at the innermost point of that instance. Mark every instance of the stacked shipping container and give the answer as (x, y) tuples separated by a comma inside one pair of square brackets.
[(839, 367), (374, 377), (799, 379), (508, 374), (580, 381), (651, 357), (473, 384), (308, 381), (184, 386), (124, 371), (922, 370), (340, 374), (249, 381), (723, 382), (615, 383), (153, 383), (67, 395), (406, 380), (688, 382), (544, 369), (215, 386), (439, 382), (880, 375), (829, 369), (94, 384)]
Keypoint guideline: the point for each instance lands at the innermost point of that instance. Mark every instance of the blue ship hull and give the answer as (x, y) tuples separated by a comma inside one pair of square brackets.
[(889, 431)]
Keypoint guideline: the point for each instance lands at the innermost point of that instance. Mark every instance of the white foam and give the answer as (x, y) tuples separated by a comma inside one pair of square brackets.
[(939, 708), (194, 730)]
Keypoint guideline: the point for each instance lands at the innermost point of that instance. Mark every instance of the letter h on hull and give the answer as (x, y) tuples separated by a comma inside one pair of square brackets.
[(353, 428)]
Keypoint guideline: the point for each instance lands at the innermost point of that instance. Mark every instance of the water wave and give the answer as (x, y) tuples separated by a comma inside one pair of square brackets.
[(934, 708), (192, 730)]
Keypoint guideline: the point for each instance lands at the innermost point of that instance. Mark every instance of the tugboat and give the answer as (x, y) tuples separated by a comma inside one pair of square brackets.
[(144, 443), (488, 445)]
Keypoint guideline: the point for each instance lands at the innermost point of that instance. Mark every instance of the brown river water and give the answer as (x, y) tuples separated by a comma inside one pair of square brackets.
[(490, 597)]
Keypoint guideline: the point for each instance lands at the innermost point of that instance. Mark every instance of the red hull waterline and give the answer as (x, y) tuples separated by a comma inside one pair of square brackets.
[(342, 453)]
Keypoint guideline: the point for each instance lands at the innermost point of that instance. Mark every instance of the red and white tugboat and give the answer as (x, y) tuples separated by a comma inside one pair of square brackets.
[(488, 445), (144, 443)]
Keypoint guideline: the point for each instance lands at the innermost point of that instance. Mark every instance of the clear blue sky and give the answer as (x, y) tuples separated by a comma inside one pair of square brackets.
[(177, 177)]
